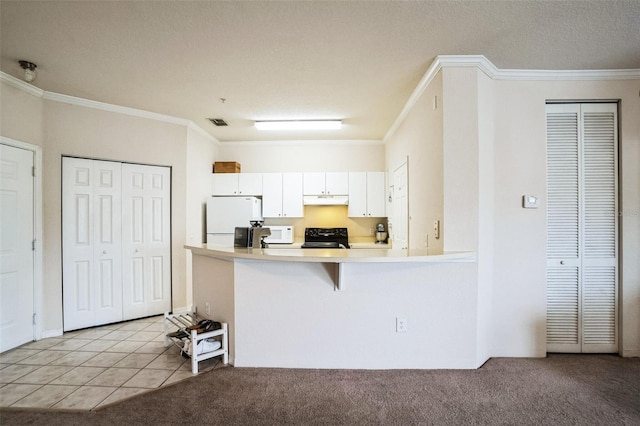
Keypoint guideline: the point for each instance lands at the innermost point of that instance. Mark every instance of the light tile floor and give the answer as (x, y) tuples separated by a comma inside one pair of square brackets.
[(90, 368)]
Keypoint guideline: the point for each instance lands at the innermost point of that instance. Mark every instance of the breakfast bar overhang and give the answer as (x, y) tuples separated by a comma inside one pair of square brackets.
[(283, 309)]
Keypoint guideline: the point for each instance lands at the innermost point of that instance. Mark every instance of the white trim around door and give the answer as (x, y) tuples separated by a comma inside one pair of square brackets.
[(37, 223)]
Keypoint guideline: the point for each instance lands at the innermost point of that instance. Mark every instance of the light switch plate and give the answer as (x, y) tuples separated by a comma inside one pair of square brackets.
[(530, 202)]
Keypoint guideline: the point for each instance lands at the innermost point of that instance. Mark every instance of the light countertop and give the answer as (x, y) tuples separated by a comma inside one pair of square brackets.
[(355, 254)]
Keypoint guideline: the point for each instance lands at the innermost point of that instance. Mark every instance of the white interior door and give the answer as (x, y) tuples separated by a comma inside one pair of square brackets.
[(16, 247), (582, 228), (146, 232), (400, 224), (91, 229)]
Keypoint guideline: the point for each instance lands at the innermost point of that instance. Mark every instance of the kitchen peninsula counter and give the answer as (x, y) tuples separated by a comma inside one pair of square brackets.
[(284, 310), (376, 255)]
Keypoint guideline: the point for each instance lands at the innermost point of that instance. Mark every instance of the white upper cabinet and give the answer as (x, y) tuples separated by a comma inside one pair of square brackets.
[(282, 195), (237, 183), (330, 183), (376, 194), (367, 194)]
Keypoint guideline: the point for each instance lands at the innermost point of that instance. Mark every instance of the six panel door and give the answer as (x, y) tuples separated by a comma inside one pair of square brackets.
[(146, 245), (91, 230), (16, 250)]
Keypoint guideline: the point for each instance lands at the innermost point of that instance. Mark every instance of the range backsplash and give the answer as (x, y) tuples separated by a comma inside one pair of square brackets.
[(330, 217)]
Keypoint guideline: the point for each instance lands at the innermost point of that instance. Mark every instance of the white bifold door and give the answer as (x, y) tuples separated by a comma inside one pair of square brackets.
[(582, 228), (107, 207), (146, 240)]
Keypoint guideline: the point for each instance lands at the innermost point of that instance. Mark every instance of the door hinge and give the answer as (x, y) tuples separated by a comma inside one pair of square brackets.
[(33, 245), (33, 171), (34, 319)]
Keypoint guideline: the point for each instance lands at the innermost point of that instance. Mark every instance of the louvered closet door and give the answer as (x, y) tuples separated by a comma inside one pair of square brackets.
[(146, 247), (582, 228)]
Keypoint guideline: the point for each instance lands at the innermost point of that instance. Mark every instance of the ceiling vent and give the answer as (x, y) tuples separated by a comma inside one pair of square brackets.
[(218, 121)]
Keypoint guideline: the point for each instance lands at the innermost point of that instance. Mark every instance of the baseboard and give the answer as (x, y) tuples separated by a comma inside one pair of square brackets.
[(630, 354), (182, 310), (51, 333)]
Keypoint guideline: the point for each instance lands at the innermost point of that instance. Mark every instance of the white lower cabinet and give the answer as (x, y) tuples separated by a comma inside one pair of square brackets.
[(282, 195), (115, 241)]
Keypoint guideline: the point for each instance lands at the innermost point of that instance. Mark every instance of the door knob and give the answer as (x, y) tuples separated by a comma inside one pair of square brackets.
[(104, 252), (562, 262)]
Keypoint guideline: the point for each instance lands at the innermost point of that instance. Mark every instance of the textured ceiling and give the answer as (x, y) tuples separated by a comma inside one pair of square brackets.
[(358, 61)]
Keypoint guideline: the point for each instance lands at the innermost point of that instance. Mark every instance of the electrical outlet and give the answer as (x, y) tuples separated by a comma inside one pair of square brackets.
[(401, 325), (207, 308)]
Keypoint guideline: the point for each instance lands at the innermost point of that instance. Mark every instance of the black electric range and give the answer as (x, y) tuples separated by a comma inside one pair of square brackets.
[(326, 238)]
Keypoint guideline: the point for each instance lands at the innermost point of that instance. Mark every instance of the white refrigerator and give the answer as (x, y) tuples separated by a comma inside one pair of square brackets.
[(225, 213)]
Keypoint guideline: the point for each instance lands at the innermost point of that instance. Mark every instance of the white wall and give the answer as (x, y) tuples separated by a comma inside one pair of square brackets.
[(520, 238), (305, 156), (85, 132), (201, 154), (494, 152), (64, 129), (418, 140), (20, 115)]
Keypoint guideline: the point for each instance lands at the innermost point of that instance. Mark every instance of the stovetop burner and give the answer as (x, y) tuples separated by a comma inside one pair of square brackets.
[(326, 238)]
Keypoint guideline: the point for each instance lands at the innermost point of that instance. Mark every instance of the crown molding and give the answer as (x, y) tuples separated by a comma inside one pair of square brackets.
[(21, 85), (199, 130), (87, 103), (486, 66), (103, 106)]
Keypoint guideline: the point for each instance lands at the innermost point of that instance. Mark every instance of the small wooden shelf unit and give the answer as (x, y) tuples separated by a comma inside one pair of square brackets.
[(182, 321)]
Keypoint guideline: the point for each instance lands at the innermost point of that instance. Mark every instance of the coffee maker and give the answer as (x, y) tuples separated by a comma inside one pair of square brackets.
[(381, 234)]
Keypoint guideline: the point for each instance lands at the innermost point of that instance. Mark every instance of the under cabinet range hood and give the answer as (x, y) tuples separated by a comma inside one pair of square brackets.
[(325, 200)]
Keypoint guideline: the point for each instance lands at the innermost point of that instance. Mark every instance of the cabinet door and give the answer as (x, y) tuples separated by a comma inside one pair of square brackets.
[(314, 183), (357, 194), (292, 205), (272, 195), (225, 183), (337, 183), (376, 205), (146, 240), (250, 184)]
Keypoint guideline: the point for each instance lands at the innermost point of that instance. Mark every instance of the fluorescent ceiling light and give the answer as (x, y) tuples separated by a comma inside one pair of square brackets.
[(299, 125)]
